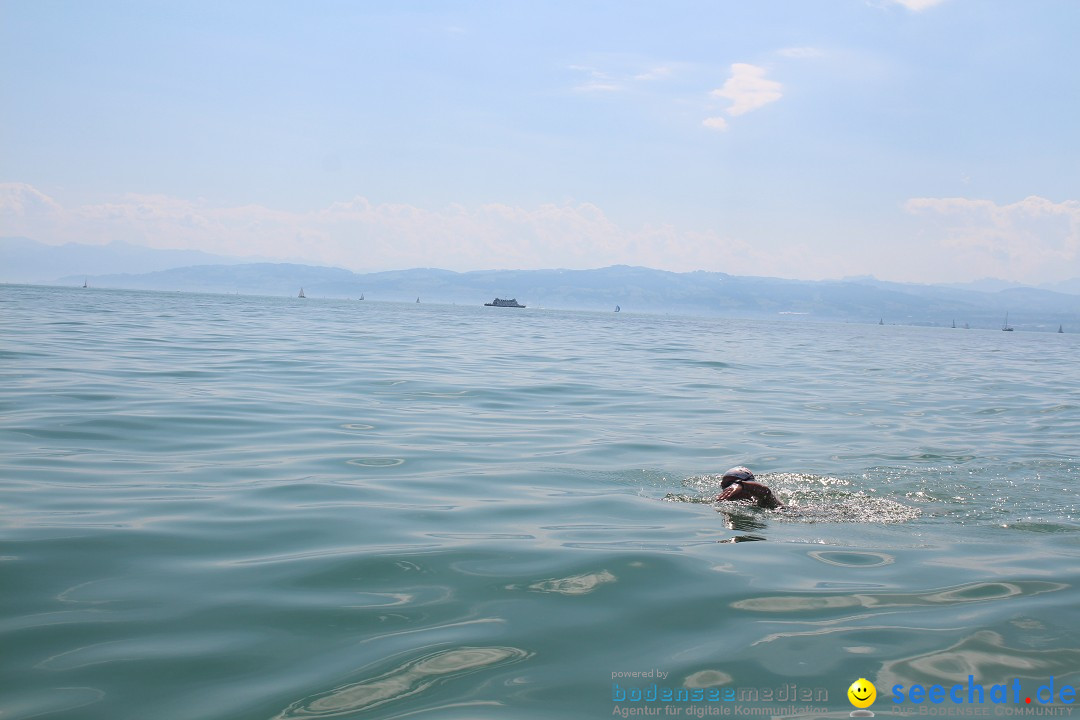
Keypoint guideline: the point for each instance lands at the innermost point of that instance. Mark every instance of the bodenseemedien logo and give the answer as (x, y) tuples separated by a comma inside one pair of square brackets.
[(862, 694)]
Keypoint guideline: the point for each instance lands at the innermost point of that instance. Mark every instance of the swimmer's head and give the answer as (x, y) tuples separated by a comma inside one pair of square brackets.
[(736, 475)]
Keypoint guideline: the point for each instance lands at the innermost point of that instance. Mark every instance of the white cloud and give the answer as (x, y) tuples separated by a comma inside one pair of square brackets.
[(598, 86), (1029, 241), (918, 5), (626, 77), (26, 211), (748, 89), (715, 123), (654, 74), (361, 235), (22, 200), (1034, 240), (596, 80)]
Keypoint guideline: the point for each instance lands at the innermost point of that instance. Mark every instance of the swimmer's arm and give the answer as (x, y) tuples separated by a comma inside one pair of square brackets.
[(734, 491), (761, 493), (764, 496)]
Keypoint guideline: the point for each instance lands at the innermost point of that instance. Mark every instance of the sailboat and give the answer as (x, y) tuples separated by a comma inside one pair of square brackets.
[(418, 299), (302, 295), (84, 284), (954, 324), (618, 309), (1006, 327), (361, 296), (881, 321), (1061, 329)]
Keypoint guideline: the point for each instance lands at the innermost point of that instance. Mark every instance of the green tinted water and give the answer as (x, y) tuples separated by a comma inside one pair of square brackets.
[(230, 507)]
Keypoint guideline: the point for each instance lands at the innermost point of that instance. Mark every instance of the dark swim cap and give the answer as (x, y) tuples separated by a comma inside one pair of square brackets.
[(736, 474)]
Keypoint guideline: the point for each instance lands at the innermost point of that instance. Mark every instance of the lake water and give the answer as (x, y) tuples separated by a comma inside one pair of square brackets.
[(237, 507)]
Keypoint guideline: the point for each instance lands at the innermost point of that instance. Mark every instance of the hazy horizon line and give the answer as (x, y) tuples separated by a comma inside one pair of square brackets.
[(256, 260)]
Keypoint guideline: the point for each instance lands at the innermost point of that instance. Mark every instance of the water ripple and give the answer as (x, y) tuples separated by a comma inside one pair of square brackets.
[(403, 681), (582, 584), (971, 592)]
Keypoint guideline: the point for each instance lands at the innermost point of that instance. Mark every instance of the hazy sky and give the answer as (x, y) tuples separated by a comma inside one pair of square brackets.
[(914, 140)]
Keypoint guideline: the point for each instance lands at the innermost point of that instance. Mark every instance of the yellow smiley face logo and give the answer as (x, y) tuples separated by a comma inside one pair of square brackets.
[(862, 693)]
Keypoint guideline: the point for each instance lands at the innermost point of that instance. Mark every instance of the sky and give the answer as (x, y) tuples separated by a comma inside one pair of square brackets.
[(911, 140)]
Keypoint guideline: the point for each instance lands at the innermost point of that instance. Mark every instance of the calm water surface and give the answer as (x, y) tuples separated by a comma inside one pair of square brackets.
[(233, 507)]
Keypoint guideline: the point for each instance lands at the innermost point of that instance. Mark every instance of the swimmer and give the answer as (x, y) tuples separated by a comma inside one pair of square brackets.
[(738, 484)]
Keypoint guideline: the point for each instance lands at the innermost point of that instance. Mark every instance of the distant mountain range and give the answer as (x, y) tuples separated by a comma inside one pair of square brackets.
[(635, 289), (24, 260)]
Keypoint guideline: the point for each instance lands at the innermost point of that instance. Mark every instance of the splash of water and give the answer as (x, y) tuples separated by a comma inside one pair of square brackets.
[(806, 498)]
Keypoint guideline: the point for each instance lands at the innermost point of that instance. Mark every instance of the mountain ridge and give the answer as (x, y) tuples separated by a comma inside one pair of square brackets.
[(634, 288)]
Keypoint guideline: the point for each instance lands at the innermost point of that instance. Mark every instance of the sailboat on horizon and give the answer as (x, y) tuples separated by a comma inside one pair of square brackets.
[(84, 284), (301, 295), (361, 296), (1006, 327)]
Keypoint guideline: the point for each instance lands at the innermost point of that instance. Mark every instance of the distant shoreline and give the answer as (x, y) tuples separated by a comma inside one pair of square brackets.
[(409, 298)]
